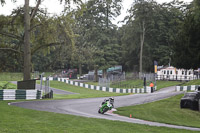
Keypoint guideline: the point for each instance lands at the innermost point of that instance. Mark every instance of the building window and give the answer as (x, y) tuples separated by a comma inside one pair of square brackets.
[(167, 72), (164, 71), (171, 72), (189, 72), (182, 72)]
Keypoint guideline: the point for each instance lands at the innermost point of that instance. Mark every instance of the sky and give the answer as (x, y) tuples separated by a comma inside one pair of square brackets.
[(54, 7)]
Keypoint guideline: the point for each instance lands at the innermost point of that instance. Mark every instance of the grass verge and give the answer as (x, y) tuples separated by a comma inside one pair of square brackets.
[(139, 84), (192, 82), (7, 85), (19, 120), (164, 111), (82, 92), (163, 84), (8, 76)]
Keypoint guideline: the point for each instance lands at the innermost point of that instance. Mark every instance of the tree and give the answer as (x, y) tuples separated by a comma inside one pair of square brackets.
[(27, 24), (140, 19), (97, 34), (187, 45), (141, 13), (156, 37)]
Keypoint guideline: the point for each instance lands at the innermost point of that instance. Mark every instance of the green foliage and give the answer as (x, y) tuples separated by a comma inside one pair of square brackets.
[(164, 111), (11, 42), (97, 44), (161, 23), (86, 38), (47, 35), (187, 45)]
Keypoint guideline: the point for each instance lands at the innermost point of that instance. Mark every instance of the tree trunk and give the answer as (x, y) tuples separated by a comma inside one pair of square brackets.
[(27, 52), (104, 73), (142, 34), (96, 74), (80, 69)]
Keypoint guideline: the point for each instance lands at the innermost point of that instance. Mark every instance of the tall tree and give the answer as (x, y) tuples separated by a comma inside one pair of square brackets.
[(160, 25), (27, 23), (98, 32), (141, 13), (187, 45), (140, 19), (27, 51)]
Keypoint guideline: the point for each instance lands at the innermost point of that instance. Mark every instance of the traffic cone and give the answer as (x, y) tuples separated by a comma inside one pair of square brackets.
[(130, 115)]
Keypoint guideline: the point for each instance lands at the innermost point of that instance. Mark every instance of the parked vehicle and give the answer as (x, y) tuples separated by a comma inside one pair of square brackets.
[(190, 100), (106, 105)]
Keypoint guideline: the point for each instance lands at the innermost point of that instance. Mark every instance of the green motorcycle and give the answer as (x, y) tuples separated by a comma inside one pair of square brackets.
[(106, 105)]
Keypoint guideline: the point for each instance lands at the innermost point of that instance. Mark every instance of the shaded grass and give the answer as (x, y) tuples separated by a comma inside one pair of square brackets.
[(19, 120), (6, 76), (192, 82), (164, 111), (8, 86)]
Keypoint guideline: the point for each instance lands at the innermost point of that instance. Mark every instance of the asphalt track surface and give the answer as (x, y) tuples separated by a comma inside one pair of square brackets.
[(89, 107)]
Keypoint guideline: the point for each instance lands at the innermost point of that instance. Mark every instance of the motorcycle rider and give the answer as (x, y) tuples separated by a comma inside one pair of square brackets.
[(111, 100)]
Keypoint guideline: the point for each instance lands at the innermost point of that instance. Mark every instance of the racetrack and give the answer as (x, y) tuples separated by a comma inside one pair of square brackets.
[(89, 107)]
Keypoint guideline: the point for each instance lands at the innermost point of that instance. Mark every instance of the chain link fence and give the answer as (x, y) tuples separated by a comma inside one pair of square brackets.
[(106, 82), (103, 82)]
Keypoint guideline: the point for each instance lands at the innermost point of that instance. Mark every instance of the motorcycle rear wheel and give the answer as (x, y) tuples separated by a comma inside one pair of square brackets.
[(104, 110)]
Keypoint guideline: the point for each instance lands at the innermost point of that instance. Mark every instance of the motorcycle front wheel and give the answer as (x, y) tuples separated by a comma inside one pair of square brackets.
[(99, 111)]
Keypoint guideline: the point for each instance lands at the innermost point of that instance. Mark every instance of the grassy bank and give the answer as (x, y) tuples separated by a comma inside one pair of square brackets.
[(19, 120), (163, 84), (165, 111), (4, 76), (82, 92), (192, 82), (139, 84)]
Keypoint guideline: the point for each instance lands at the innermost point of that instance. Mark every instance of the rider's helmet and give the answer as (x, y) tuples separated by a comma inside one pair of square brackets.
[(111, 100)]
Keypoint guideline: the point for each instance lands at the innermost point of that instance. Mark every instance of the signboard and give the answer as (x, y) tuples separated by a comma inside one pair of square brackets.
[(155, 66)]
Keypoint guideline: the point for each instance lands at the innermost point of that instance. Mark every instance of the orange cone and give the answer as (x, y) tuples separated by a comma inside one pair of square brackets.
[(130, 115)]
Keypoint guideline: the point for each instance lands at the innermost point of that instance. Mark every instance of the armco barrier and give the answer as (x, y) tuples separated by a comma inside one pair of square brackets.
[(187, 88), (146, 89), (12, 94)]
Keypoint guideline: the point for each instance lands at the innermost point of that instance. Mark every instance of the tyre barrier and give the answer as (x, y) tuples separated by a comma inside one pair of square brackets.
[(13, 94), (146, 89), (187, 88)]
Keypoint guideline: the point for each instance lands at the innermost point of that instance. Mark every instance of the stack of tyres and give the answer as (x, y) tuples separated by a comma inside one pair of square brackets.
[(190, 100)]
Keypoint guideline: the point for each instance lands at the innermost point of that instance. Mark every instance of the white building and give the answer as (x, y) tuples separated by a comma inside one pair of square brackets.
[(172, 73)]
